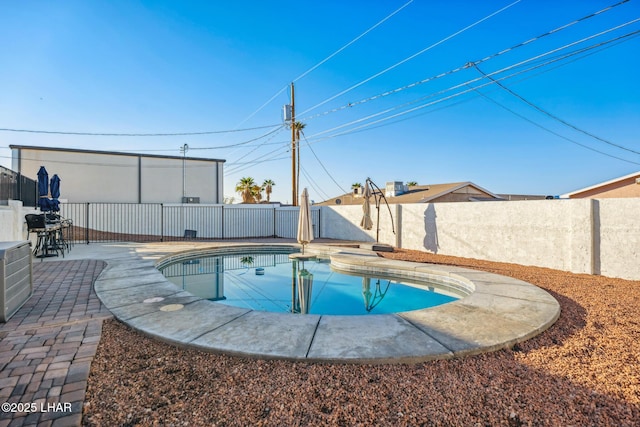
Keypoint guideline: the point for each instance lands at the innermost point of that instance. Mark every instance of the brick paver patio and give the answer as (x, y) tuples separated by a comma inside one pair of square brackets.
[(46, 348)]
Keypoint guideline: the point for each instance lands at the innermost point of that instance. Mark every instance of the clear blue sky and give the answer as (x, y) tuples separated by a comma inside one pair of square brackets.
[(170, 67)]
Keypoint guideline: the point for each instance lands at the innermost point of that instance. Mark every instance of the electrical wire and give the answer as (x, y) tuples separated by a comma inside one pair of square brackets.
[(354, 40), (237, 166), (466, 65), (315, 138), (260, 145), (314, 185), (553, 116), (322, 164), (411, 57), (468, 83), (277, 129), (551, 131), (50, 132), (328, 58)]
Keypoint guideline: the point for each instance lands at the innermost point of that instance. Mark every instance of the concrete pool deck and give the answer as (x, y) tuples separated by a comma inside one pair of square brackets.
[(500, 312)]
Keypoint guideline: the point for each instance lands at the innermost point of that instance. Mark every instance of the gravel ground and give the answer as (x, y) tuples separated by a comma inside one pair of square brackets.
[(583, 371)]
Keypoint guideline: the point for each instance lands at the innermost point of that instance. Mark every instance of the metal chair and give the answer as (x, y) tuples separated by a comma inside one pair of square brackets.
[(46, 241)]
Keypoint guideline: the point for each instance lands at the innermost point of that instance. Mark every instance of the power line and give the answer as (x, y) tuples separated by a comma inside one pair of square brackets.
[(466, 65), (322, 164), (553, 116), (552, 132), (50, 132), (279, 128), (316, 187), (258, 146), (470, 99), (354, 40), (328, 58), (468, 83), (261, 159), (411, 57)]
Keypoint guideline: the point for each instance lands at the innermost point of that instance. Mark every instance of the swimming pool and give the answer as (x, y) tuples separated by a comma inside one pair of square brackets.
[(273, 282)]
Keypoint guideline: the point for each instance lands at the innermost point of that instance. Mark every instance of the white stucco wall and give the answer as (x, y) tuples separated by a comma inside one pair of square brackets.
[(581, 235), (12, 227), (619, 237)]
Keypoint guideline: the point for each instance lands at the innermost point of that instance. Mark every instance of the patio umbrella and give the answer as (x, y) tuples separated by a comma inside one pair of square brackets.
[(55, 193), (43, 189), (366, 222), (305, 228), (305, 285), (366, 292)]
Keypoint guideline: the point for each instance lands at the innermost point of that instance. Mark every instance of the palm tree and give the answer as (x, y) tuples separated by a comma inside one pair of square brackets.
[(412, 184), (268, 188), (244, 187), (256, 193)]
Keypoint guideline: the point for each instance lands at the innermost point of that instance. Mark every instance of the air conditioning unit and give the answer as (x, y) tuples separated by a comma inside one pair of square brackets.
[(16, 277), (191, 199)]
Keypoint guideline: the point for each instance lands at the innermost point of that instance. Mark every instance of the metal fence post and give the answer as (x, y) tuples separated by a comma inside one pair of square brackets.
[(274, 222), (162, 222), (222, 223), (86, 223)]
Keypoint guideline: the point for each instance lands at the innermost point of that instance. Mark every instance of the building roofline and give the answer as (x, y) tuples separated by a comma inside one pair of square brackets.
[(448, 188), (113, 153), (601, 184), (457, 187)]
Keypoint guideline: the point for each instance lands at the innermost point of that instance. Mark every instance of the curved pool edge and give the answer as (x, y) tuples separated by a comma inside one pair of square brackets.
[(499, 313)]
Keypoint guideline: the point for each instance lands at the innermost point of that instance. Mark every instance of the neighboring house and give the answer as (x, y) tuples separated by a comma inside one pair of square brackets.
[(109, 176), (625, 186), (397, 192)]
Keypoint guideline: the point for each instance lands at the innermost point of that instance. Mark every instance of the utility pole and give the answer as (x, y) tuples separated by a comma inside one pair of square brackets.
[(294, 183)]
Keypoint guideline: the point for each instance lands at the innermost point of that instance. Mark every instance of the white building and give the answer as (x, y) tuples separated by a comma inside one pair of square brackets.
[(108, 176)]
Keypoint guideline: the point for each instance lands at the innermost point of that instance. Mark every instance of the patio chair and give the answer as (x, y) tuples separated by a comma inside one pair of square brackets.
[(46, 236)]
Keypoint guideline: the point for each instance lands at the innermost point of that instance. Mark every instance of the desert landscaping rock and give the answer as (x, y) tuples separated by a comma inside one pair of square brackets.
[(583, 371)]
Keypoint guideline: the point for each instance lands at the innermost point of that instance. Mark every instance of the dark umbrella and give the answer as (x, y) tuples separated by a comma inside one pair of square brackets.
[(55, 193), (43, 189)]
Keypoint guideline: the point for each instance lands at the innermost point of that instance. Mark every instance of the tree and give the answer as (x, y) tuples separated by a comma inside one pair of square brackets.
[(244, 187), (356, 185), (268, 188), (256, 193), (412, 183)]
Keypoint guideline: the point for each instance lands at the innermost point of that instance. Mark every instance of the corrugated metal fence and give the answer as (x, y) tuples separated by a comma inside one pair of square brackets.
[(145, 222)]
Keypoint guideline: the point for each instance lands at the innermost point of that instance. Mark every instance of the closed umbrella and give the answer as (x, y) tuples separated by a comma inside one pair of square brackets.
[(366, 222), (366, 292), (305, 228), (305, 285), (43, 189), (55, 193)]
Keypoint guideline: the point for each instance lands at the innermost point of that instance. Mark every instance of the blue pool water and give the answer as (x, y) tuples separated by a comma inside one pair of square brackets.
[(272, 282)]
